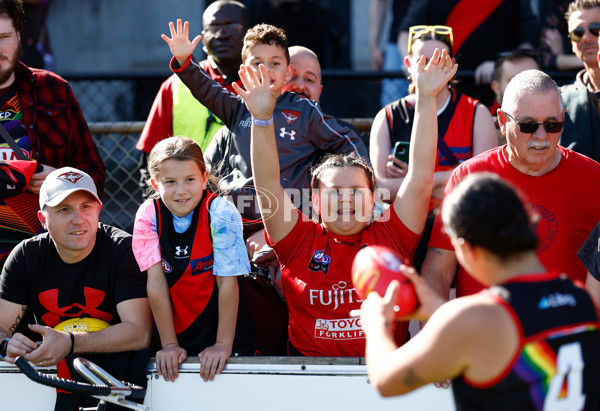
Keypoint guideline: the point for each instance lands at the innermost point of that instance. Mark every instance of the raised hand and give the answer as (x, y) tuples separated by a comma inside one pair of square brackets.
[(259, 94), (431, 77), (179, 42)]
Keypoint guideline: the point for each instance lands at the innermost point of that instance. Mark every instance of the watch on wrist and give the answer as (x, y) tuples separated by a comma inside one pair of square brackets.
[(262, 123), (3, 347)]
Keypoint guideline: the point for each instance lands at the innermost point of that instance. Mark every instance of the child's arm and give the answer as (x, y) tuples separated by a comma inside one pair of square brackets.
[(412, 201), (212, 95), (212, 359), (171, 355), (275, 205), (146, 249)]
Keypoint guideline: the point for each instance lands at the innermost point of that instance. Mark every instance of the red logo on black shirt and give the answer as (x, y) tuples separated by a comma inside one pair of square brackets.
[(93, 299), (290, 115), (71, 177)]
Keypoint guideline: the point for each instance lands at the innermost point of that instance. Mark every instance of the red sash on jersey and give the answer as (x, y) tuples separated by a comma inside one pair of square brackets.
[(466, 16), (191, 282)]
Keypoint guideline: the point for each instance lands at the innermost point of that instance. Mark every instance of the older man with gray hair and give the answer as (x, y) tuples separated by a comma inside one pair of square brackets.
[(560, 187)]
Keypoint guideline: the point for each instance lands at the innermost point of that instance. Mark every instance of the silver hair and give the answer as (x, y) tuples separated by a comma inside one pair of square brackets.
[(528, 82)]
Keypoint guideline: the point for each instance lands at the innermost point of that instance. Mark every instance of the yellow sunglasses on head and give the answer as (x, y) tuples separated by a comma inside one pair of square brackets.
[(445, 33)]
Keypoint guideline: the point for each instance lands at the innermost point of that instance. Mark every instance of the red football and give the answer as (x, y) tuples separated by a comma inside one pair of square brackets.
[(373, 269)]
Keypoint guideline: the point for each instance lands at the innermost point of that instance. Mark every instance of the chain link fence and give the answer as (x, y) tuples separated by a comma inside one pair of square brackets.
[(122, 194)]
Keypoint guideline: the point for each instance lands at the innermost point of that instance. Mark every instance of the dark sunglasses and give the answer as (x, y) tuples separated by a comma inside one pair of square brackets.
[(577, 33), (530, 127)]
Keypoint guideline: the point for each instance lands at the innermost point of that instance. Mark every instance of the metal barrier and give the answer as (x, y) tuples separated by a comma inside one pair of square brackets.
[(122, 193)]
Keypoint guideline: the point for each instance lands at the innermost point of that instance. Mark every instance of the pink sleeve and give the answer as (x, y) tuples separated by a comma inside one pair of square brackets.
[(146, 245)]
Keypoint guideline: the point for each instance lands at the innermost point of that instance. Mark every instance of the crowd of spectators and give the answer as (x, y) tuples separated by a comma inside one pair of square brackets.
[(266, 140)]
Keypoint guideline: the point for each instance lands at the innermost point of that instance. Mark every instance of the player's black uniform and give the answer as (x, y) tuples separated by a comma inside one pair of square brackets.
[(557, 366)]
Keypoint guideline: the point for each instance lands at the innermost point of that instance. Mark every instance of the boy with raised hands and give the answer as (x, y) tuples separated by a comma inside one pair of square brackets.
[(302, 129)]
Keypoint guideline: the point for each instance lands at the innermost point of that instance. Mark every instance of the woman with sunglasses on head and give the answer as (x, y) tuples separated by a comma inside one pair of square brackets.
[(529, 342), (465, 128)]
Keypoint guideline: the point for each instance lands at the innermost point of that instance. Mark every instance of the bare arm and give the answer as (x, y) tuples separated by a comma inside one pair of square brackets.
[(593, 287), (460, 338), (485, 136), (212, 359), (10, 316), (380, 149), (376, 15), (132, 333), (171, 354), (412, 201), (275, 205), (160, 301), (439, 269)]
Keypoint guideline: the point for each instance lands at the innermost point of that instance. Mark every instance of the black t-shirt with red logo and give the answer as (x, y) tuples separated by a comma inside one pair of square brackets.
[(34, 275)]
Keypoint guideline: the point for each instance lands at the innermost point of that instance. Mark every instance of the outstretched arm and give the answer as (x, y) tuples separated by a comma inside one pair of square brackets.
[(275, 205), (179, 42), (412, 200)]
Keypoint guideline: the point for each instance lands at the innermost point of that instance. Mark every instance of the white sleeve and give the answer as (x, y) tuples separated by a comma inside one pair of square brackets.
[(229, 248)]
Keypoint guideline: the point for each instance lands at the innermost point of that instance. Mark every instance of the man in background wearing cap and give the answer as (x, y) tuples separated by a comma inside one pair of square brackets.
[(79, 268)]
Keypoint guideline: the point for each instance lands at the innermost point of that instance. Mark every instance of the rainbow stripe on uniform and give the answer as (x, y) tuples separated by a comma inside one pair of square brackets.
[(537, 365)]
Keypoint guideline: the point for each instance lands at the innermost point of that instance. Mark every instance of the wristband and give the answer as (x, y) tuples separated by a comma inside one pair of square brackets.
[(3, 347), (72, 343), (262, 123)]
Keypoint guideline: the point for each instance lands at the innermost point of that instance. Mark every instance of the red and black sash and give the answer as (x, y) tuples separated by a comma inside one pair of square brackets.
[(466, 16)]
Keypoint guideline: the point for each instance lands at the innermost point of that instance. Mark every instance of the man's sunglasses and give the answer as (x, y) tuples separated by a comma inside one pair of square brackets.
[(530, 127), (577, 33), (416, 32)]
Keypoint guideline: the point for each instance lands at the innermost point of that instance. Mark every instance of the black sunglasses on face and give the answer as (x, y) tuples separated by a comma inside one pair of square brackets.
[(577, 33), (530, 127)]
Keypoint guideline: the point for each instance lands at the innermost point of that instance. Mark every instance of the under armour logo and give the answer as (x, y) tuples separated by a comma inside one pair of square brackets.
[(71, 177), (287, 133), (180, 251), (93, 299)]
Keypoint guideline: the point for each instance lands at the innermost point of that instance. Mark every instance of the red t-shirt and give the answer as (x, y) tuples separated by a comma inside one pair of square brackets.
[(566, 201), (316, 270)]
